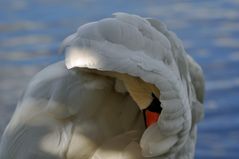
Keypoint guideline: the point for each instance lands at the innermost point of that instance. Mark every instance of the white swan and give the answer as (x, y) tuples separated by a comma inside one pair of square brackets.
[(95, 104)]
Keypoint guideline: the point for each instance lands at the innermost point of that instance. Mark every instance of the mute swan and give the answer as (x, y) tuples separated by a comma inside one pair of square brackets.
[(126, 90)]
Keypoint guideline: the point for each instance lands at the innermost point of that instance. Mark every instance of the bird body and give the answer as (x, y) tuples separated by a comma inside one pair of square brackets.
[(62, 108), (92, 105)]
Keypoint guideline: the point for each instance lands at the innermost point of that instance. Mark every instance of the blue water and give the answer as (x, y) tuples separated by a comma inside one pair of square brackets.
[(31, 33)]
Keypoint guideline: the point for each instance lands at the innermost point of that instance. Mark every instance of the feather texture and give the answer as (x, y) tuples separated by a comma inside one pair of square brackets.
[(88, 106)]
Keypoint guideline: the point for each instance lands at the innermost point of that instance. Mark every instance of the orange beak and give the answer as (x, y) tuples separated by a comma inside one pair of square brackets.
[(150, 117)]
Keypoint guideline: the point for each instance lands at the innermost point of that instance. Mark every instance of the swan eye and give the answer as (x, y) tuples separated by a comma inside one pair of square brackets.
[(152, 112)]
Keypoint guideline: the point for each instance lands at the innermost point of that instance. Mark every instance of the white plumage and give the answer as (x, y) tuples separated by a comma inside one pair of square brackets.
[(89, 107)]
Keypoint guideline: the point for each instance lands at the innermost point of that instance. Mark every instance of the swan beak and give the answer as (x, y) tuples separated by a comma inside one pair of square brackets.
[(145, 95), (150, 117), (152, 112)]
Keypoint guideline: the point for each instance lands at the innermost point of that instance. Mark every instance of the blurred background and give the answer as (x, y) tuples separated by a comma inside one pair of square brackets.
[(31, 33)]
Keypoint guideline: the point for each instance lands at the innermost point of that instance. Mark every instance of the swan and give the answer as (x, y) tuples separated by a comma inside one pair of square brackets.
[(126, 90)]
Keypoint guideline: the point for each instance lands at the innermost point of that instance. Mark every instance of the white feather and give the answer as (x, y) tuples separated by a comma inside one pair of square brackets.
[(90, 107)]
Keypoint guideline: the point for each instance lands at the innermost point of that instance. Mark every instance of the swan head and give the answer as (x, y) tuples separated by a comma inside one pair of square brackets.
[(148, 58)]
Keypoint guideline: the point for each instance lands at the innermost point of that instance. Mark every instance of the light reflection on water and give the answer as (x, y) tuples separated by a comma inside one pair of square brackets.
[(31, 33)]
